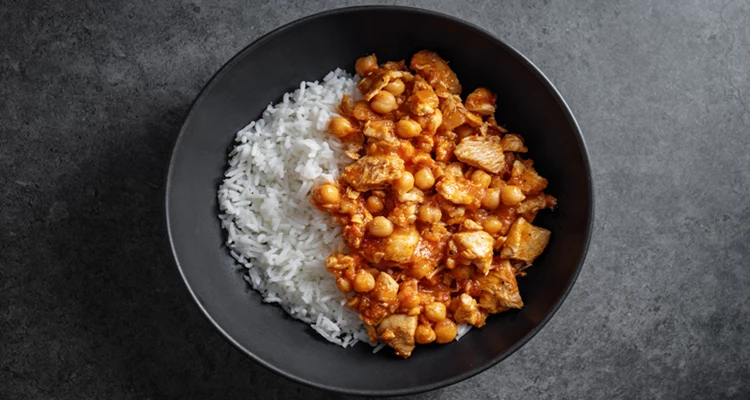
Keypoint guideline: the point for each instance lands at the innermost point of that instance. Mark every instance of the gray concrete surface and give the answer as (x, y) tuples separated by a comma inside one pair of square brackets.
[(92, 96)]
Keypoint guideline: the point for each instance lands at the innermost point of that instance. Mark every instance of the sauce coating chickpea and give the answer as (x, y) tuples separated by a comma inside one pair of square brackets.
[(363, 281), (492, 225), (435, 312), (383, 102), (424, 179), (511, 195), (491, 199), (374, 204), (424, 334), (380, 227), (405, 183), (407, 128), (429, 214), (481, 178), (343, 285), (327, 194), (340, 127), (395, 87), (366, 64), (445, 331)]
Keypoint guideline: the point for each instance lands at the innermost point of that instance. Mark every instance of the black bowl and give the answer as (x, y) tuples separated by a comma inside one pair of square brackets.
[(306, 50)]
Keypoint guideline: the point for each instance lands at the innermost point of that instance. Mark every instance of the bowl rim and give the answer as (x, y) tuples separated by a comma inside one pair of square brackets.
[(419, 388)]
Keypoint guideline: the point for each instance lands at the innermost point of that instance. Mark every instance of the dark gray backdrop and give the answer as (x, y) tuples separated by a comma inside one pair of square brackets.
[(92, 96)]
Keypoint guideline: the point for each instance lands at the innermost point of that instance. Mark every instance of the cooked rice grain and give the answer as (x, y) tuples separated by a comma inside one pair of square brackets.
[(272, 230)]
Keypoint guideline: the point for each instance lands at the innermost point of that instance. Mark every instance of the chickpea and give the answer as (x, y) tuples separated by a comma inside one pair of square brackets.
[(380, 227), (344, 285), (405, 183), (429, 214), (511, 195), (383, 102), (366, 64), (407, 128), (424, 179), (327, 194), (445, 331), (492, 225), (481, 178), (374, 204), (491, 199), (424, 334), (435, 312), (363, 281), (408, 297), (395, 87), (340, 127)]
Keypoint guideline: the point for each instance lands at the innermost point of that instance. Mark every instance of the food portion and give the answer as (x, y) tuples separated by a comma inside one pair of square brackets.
[(436, 204), (272, 230)]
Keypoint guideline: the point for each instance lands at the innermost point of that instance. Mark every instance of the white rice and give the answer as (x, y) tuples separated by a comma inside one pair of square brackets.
[(273, 231)]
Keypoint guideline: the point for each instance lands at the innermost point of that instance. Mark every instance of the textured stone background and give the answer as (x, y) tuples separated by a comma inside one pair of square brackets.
[(92, 96)]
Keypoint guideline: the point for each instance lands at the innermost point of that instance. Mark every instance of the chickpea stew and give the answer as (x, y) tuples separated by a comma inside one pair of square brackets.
[(436, 207)]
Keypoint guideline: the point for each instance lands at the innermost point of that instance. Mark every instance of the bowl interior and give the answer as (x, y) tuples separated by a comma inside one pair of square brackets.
[(307, 50)]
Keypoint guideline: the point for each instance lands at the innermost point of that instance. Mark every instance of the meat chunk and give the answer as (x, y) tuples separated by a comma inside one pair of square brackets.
[(431, 249), (373, 172), (414, 196), (483, 152), (383, 129), (481, 101), (525, 242), (397, 331), (453, 116), (338, 262), (353, 145), (400, 245), (423, 100), (404, 214), (373, 83), (429, 123), (473, 247), (458, 190), (468, 311), (513, 142), (436, 71), (445, 145), (533, 204), (386, 288), (470, 225), (524, 176), (455, 214), (500, 289)]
